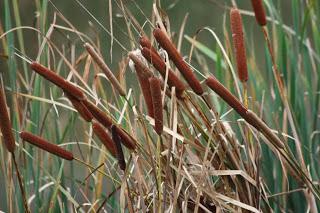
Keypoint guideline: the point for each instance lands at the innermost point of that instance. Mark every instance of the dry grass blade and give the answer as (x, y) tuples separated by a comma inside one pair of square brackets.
[(177, 59), (106, 70), (58, 80), (45, 145), (5, 123)]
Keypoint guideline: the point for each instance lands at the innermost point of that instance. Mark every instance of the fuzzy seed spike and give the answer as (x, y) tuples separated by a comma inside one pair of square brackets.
[(226, 95), (106, 70), (81, 108), (160, 65), (98, 114), (238, 44), (5, 123), (177, 59), (145, 42), (259, 12), (117, 141), (155, 88), (51, 76), (45, 145), (104, 138)]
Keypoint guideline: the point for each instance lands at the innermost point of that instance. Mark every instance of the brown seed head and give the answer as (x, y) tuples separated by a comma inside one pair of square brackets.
[(160, 65), (98, 114), (5, 124), (81, 108), (145, 42), (238, 43), (51, 76), (259, 12), (117, 141), (177, 59), (155, 88), (226, 95), (45, 145), (104, 138)]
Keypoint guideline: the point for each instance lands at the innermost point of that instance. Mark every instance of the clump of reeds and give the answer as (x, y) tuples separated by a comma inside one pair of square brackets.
[(177, 59), (45, 145), (259, 12), (58, 80), (238, 44), (5, 123), (155, 87)]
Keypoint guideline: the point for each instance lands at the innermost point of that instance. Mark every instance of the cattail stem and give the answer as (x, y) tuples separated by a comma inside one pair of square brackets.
[(106, 70), (104, 138), (160, 65), (177, 59), (81, 108), (259, 12), (45, 145), (5, 123), (58, 80), (155, 89), (238, 43), (117, 141)]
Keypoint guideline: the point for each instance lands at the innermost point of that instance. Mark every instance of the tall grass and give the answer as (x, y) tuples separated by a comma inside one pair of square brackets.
[(205, 141)]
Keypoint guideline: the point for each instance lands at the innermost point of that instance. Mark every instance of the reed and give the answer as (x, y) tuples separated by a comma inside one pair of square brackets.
[(143, 74), (81, 108), (45, 145), (155, 88), (106, 70), (259, 12), (159, 64), (177, 59), (117, 141), (104, 138), (238, 44), (5, 123), (57, 80)]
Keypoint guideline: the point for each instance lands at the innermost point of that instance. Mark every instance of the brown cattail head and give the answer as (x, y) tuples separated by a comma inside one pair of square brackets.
[(145, 42), (81, 108), (106, 70), (51, 76), (226, 95), (98, 114), (177, 59), (238, 43), (160, 65), (126, 139), (45, 145), (155, 88), (143, 74), (259, 12), (104, 138), (5, 124), (117, 141)]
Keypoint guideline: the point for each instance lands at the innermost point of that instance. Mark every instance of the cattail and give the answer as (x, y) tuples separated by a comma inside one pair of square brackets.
[(104, 138), (126, 139), (58, 80), (98, 114), (145, 42), (5, 124), (177, 59), (238, 44), (117, 141), (226, 95), (106, 70), (160, 65), (157, 104), (259, 12), (143, 74), (45, 145), (81, 108)]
